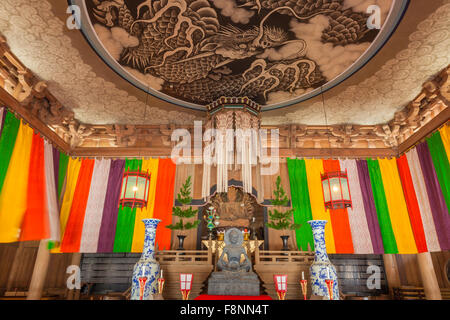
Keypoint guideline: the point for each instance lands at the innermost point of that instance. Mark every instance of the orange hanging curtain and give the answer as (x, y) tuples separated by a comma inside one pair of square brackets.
[(72, 236), (35, 224), (164, 202), (339, 218)]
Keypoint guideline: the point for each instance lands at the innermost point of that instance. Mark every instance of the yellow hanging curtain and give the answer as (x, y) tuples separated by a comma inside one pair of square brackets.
[(13, 199), (146, 213), (398, 212), (73, 169), (445, 135), (314, 168)]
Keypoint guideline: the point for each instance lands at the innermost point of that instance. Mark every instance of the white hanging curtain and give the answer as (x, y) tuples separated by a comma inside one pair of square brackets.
[(236, 139)]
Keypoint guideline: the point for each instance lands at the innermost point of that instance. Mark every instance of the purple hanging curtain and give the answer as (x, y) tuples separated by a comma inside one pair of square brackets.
[(110, 209), (2, 118), (56, 167), (438, 206), (369, 207)]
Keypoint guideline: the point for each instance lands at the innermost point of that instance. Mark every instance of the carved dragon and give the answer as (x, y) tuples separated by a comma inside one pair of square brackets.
[(183, 43)]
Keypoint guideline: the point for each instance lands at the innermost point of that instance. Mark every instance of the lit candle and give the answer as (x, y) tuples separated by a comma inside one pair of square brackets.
[(328, 272), (143, 271), (162, 274), (303, 275)]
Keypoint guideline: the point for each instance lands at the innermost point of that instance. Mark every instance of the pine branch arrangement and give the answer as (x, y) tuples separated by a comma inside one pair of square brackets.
[(281, 220), (184, 197)]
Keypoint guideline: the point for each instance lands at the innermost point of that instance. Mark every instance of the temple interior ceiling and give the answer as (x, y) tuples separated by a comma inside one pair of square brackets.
[(160, 62)]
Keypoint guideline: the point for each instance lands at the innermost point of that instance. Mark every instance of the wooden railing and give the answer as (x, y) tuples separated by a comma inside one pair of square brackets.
[(416, 293), (184, 257), (275, 257)]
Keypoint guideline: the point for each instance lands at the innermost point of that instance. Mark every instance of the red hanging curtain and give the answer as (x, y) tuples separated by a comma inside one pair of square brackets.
[(412, 204), (339, 218), (72, 235), (164, 202), (35, 224)]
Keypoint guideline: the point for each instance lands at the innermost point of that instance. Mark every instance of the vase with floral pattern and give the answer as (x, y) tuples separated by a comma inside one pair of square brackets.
[(147, 268), (321, 269)]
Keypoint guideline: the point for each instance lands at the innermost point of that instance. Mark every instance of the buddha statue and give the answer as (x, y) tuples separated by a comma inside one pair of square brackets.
[(235, 275), (233, 252)]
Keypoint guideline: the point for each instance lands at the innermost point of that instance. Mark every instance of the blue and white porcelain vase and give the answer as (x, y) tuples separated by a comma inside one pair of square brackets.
[(321, 268), (147, 266)]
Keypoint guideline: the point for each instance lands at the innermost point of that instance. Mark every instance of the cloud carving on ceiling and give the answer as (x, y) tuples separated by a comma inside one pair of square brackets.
[(36, 36), (399, 80)]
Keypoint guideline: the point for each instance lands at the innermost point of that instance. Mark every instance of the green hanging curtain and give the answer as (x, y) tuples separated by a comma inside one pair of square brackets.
[(300, 202), (384, 220), (7, 142), (441, 164), (62, 171), (126, 217)]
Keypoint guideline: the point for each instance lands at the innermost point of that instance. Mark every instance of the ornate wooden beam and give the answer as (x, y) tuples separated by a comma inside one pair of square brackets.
[(35, 123)]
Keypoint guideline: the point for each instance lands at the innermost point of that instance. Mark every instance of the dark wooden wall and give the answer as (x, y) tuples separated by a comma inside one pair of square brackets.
[(25, 255), (352, 273), (409, 269), (109, 272)]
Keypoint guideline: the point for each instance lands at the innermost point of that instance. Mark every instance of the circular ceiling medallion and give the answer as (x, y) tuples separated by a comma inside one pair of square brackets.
[(277, 53)]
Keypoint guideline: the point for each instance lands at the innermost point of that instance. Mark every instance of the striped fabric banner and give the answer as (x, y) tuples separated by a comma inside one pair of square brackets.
[(126, 217), (412, 204), (356, 215), (164, 201), (300, 203), (398, 213), (150, 166), (13, 197), (7, 141), (436, 199), (445, 136), (339, 218), (35, 224), (441, 164), (74, 226), (422, 200), (51, 192), (94, 207), (110, 207), (398, 204), (314, 168)]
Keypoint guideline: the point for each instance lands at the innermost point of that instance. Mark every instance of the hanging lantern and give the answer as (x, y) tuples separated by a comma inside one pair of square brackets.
[(336, 191), (135, 189)]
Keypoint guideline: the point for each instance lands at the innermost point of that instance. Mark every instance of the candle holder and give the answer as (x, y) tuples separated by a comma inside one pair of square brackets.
[(329, 283), (142, 282), (161, 282), (304, 284)]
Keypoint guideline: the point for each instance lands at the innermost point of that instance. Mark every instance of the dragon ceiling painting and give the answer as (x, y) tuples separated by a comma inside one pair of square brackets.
[(274, 52)]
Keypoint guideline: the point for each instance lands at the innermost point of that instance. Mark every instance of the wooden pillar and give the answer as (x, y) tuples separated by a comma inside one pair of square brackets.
[(76, 259), (39, 272), (15, 265), (429, 280), (392, 274)]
